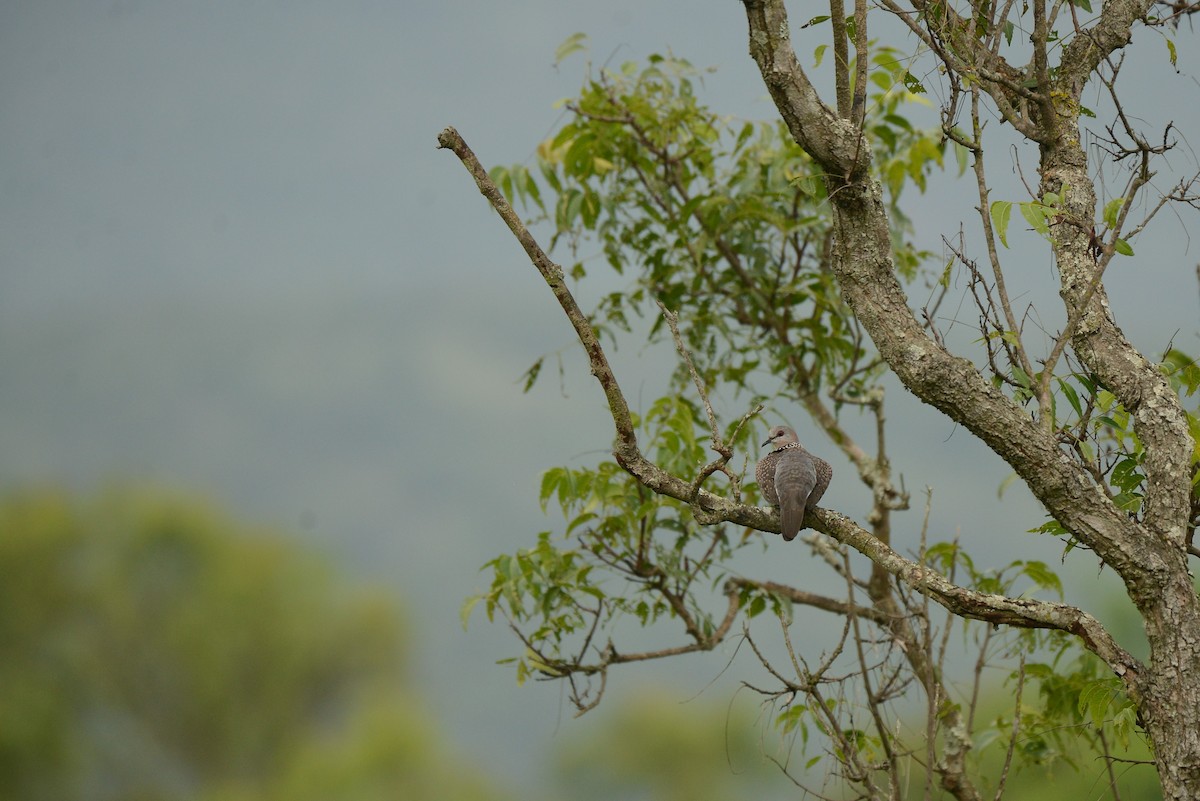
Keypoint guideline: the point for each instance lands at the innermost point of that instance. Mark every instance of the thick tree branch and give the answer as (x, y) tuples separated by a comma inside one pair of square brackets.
[(946, 34), (835, 143), (1088, 48), (863, 264)]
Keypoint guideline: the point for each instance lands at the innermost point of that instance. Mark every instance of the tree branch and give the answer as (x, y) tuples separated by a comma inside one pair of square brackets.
[(832, 141), (553, 275)]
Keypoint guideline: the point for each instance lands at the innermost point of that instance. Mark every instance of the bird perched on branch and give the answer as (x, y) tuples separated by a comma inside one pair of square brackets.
[(791, 479)]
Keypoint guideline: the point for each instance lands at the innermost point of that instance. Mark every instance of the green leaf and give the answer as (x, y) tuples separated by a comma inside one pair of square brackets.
[(1043, 576), (1125, 475), (1173, 55), (744, 135), (1019, 374), (1072, 397), (1001, 212), (882, 80), (886, 135), (579, 520), (960, 154), (912, 84), (1111, 209), (550, 481), (819, 54), (572, 44), (531, 375), (1122, 247), (502, 177), (465, 612), (1035, 215)]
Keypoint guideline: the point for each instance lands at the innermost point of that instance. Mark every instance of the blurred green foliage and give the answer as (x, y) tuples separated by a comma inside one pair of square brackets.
[(152, 649), (656, 747)]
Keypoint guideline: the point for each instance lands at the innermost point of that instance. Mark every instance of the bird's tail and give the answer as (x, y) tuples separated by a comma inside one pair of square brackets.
[(791, 519)]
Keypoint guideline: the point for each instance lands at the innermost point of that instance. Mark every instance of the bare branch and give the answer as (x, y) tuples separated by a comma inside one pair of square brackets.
[(858, 111), (834, 142), (804, 598), (1018, 699), (841, 57), (553, 275)]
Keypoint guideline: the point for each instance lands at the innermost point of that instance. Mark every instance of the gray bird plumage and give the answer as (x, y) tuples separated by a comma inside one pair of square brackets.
[(791, 478)]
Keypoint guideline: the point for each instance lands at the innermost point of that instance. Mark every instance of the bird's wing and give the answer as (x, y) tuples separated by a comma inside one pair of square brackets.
[(795, 477), (824, 475)]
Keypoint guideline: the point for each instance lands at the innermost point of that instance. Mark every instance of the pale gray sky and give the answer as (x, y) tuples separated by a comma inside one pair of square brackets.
[(231, 259)]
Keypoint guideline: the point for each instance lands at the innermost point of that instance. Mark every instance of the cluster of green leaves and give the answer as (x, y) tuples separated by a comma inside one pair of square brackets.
[(1041, 214), (1102, 435), (904, 153), (1079, 701), (951, 559), (560, 592), (1083, 708), (799, 720), (724, 218)]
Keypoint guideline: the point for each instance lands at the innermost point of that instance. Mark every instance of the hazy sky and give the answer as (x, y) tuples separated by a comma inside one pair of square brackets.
[(232, 260)]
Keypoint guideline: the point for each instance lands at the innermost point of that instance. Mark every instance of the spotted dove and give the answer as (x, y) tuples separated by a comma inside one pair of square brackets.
[(791, 478)]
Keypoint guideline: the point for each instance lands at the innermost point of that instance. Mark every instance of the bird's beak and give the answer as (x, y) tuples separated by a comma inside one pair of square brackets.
[(768, 442)]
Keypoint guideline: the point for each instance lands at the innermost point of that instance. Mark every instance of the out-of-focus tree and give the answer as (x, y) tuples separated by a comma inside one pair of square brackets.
[(655, 748), (151, 648)]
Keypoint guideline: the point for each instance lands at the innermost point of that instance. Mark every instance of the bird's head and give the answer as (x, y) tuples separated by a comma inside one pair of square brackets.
[(781, 436)]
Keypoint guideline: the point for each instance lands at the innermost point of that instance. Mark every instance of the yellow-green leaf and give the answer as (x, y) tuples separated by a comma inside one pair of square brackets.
[(1111, 209), (1001, 213), (1035, 215), (465, 612), (572, 44)]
